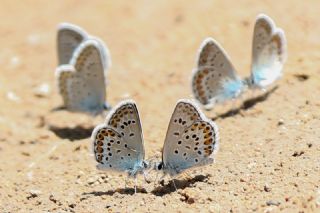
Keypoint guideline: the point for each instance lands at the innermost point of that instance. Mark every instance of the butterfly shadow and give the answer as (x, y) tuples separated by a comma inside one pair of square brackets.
[(247, 104), (124, 191), (168, 188), (74, 133), (58, 108)]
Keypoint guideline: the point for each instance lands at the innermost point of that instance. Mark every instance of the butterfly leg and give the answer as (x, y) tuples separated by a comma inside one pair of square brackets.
[(126, 183), (135, 185), (188, 175), (174, 184), (241, 105), (233, 107), (145, 177), (253, 93), (162, 178)]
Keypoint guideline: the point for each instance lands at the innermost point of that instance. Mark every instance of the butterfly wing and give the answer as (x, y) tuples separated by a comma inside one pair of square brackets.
[(69, 37), (191, 139), (104, 52), (85, 86), (269, 52), (63, 74), (118, 144), (126, 121), (214, 80)]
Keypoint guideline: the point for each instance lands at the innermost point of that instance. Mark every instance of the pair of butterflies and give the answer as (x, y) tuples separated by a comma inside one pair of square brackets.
[(191, 141), (83, 62), (215, 81)]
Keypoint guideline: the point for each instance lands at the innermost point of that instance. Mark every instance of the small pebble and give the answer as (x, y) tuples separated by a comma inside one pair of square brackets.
[(280, 122), (33, 39), (190, 200), (267, 188), (273, 203), (13, 97), (34, 193), (15, 62), (42, 90), (215, 208)]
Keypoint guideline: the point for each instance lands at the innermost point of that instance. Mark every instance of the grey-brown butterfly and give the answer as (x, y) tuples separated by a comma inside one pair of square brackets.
[(191, 141), (118, 143)]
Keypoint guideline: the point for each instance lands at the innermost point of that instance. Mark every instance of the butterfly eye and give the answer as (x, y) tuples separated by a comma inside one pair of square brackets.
[(145, 165), (160, 165)]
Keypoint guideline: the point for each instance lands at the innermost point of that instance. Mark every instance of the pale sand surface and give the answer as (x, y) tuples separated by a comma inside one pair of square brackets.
[(269, 157)]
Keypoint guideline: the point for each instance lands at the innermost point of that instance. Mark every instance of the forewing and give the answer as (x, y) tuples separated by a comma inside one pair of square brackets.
[(87, 86), (188, 134), (125, 120), (106, 58), (69, 38), (269, 52), (184, 115), (215, 79)]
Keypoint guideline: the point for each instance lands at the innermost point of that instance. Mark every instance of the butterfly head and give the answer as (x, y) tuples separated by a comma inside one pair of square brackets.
[(261, 79), (139, 169), (159, 166), (166, 170), (249, 82), (146, 165)]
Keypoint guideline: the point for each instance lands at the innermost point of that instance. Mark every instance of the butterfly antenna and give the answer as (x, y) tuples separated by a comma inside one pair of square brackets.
[(145, 177), (152, 159), (155, 181)]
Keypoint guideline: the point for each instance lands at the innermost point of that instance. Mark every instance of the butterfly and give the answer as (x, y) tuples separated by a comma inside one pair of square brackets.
[(118, 143), (215, 80), (269, 53), (69, 37), (82, 82), (191, 141)]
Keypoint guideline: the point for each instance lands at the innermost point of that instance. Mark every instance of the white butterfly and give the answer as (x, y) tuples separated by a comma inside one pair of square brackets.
[(118, 143), (82, 82), (215, 80), (269, 52), (191, 141)]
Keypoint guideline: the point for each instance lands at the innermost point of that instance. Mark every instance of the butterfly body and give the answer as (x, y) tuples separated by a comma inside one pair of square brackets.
[(191, 140)]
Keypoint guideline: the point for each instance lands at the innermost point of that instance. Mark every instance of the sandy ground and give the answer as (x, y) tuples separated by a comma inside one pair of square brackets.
[(269, 158)]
